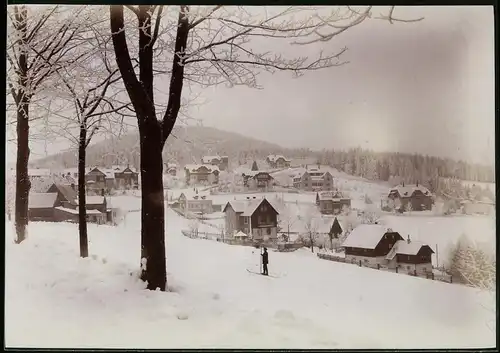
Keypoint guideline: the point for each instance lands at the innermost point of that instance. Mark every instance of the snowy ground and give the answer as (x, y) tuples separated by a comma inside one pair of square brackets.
[(58, 300)]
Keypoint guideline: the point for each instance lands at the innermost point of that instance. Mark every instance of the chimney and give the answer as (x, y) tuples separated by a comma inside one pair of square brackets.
[(408, 240)]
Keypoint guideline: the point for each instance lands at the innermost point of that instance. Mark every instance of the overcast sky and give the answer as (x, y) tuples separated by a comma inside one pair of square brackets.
[(424, 87)]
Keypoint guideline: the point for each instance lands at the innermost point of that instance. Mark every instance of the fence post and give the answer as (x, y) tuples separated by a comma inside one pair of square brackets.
[(451, 279), (432, 275), (396, 269), (378, 266), (359, 263), (415, 273)]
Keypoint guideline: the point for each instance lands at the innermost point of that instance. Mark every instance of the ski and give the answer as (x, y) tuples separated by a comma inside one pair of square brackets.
[(258, 273)]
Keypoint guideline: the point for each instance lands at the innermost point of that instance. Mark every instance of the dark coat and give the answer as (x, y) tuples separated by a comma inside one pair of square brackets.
[(265, 259)]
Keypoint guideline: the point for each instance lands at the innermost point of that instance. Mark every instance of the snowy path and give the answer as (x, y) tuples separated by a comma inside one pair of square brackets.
[(55, 299)]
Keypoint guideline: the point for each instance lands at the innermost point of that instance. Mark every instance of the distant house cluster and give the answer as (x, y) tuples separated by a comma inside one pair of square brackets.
[(60, 203), (313, 179), (376, 246), (201, 174), (415, 197), (101, 178), (277, 161), (222, 162), (252, 219), (256, 180), (332, 202)]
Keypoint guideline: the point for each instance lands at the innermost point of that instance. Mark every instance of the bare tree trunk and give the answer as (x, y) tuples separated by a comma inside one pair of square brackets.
[(82, 210), (23, 183), (153, 133), (23, 151), (152, 208)]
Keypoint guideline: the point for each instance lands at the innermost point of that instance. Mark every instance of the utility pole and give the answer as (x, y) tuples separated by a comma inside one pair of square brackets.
[(437, 256)]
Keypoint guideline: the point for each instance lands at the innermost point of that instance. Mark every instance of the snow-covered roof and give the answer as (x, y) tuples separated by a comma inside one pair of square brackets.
[(408, 190), (248, 207), (240, 234), (193, 168), (253, 205), (192, 195), (252, 173), (209, 159), (330, 195), (402, 247), (72, 211), (275, 157), (365, 236), (38, 172), (237, 206), (42, 200)]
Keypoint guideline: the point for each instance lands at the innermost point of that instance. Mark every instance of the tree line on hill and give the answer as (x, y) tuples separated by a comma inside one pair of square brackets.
[(436, 173)]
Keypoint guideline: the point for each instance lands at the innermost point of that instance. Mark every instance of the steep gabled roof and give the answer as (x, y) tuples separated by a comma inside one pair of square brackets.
[(254, 204), (402, 247), (193, 168), (209, 159), (42, 200), (237, 206), (66, 190), (366, 236), (409, 190)]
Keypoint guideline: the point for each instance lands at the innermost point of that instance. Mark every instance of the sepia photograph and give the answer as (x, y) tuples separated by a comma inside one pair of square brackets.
[(250, 177)]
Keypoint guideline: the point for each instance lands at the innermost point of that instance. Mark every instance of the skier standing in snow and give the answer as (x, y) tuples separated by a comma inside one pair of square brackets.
[(265, 261)]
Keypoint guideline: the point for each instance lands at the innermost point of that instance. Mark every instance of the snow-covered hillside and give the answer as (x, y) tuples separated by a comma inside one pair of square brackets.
[(55, 299)]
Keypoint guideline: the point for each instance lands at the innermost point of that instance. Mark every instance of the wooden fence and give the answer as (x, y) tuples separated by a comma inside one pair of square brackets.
[(428, 275), (271, 244)]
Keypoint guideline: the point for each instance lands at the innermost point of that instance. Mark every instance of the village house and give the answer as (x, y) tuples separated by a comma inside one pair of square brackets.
[(257, 180), (220, 161), (415, 197), (201, 174), (413, 257), (332, 202), (278, 161), (255, 217), (99, 178), (125, 177), (41, 206), (194, 201), (320, 179), (313, 179), (369, 244), (65, 205), (373, 245), (302, 180)]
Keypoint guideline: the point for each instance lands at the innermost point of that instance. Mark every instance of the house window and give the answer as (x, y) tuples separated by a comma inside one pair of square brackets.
[(245, 220), (408, 267), (268, 231)]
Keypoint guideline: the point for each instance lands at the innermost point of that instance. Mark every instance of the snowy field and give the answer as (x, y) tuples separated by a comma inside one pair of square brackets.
[(58, 300)]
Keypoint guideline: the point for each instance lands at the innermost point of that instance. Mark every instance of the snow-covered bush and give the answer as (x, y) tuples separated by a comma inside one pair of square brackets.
[(471, 265)]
